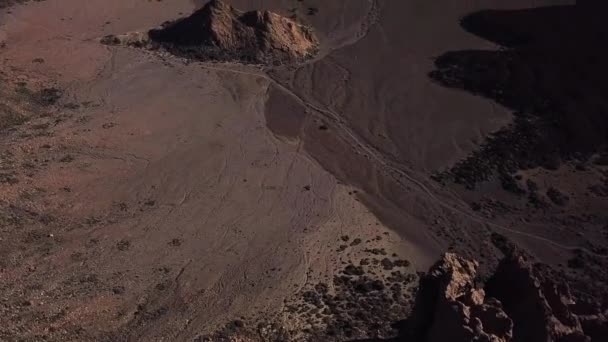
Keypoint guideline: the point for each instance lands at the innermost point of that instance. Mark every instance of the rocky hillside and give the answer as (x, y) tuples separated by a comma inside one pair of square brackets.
[(515, 304), (220, 32), (518, 302)]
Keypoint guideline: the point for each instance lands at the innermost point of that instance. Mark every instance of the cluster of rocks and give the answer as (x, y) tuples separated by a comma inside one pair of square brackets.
[(515, 304), (219, 32), (359, 303)]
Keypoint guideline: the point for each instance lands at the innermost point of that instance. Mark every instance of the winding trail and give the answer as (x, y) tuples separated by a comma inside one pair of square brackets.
[(398, 171), (387, 165)]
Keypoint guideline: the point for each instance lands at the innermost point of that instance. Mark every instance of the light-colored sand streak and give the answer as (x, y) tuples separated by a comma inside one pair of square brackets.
[(398, 171), (387, 165)]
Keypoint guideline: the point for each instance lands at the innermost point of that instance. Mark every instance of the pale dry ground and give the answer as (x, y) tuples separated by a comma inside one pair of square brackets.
[(179, 196), (208, 191)]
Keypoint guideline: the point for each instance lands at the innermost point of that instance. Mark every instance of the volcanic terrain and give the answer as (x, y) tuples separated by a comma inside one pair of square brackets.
[(303, 170), (219, 32)]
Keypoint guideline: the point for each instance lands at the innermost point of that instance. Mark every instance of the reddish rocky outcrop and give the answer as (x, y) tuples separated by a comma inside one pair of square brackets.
[(517, 304), (449, 307), (539, 307), (219, 31)]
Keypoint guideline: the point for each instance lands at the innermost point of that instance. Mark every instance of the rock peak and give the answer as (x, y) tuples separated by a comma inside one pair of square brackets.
[(516, 305), (218, 31)]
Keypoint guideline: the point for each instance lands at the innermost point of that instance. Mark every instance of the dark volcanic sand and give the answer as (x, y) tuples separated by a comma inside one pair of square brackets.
[(539, 180), (550, 72)]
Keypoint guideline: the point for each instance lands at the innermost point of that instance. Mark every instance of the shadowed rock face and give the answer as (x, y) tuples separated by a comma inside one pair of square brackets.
[(218, 31), (551, 71), (449, 307), (516, 305), (538, 307)]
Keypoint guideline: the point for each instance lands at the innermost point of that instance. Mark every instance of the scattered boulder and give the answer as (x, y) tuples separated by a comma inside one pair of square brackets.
[(557, 197)]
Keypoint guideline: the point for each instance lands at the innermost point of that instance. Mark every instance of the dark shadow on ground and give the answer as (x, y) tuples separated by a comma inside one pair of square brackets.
[(551, 71)]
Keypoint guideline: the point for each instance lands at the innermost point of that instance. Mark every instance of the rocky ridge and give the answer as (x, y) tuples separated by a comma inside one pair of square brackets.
[(515, 304), (455, 302), (449, 305), (219, 32)]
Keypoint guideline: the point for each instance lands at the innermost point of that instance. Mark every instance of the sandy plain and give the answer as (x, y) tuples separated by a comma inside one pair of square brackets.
[(159, 198)]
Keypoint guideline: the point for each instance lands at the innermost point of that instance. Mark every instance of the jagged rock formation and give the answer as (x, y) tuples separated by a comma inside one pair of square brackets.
[(450, 308), (540, 308), (220, 32), (516, 305)]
